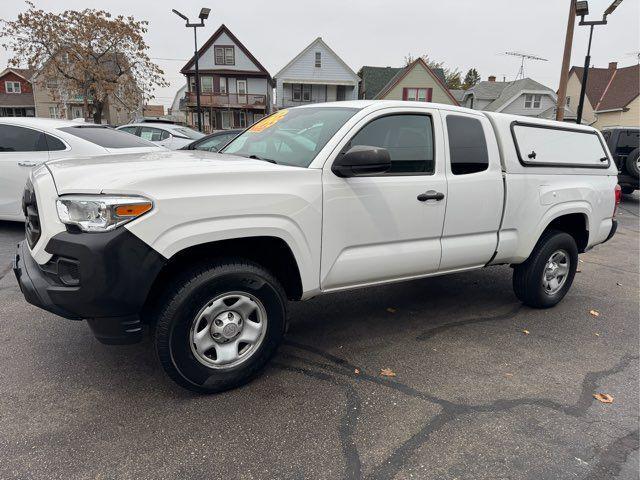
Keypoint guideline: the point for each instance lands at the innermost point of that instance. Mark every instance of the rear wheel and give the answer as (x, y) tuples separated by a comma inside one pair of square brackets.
[(628, 190), (633, 163), (220, 325), (546, 276)]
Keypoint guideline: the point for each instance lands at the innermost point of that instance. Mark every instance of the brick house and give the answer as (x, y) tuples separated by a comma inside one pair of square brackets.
[(16, 93)]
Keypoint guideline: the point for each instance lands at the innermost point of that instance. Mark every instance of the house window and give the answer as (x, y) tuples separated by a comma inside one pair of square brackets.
[(12, 87), (226, 120), (318, 59), (76, 112), (206, 84), (242, 116), (54, 112), (296, 92), (192, 84), (306, 93), (225, 56), (532, 101), (417, 94), (223, 85)]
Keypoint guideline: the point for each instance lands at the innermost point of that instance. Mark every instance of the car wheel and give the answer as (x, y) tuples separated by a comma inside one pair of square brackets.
[(546, 276), (633, 163), (628, 190), (220, 325)]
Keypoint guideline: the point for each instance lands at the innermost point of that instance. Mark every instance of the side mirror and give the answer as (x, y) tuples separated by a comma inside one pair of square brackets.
[(362, 160)]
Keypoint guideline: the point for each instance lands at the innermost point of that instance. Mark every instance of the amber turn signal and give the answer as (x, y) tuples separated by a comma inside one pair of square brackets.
[(132, 210)]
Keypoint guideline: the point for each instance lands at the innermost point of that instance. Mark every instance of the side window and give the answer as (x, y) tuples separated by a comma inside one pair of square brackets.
[(53, 144), (467, 145), (152, 134), (20, 139), (408, 139)]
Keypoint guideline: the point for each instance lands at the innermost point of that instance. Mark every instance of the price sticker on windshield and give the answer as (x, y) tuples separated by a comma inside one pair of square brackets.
[(268, 122)]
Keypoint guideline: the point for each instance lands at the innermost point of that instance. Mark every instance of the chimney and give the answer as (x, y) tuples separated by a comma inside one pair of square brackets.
[(492, 78), (613, 65)]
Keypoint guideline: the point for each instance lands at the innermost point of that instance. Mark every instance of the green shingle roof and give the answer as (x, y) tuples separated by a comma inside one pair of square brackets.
[(374, 79)]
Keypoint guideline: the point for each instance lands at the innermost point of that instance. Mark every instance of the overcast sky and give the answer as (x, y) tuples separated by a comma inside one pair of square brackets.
[(461, 33)]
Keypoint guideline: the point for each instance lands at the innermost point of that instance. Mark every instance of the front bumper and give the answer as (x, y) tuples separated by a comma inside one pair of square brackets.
[(102, 277)]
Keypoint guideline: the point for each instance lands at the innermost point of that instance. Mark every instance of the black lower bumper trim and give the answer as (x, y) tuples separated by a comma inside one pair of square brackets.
[(115, 272), (614, 228)]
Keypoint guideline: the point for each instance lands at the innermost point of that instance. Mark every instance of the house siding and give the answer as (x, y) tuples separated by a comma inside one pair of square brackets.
[(516, 107), (242, 61), (324, 79), (630, 118), (418, 77), (573, 92)]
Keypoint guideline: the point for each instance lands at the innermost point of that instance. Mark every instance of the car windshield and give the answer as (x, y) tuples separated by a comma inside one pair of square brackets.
[(187, 132), (107, 137), (291, 137)]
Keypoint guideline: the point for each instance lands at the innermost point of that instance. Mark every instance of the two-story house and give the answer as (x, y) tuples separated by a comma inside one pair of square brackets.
[(520, 97), (235, 89), (16, 93), (416, 82), (317, 74), (612, 95)]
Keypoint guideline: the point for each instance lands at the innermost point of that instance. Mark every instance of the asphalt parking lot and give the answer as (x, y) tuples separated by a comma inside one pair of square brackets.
[(474, 397)]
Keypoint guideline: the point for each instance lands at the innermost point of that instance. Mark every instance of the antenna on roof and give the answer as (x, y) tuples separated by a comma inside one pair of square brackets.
[(523, 57)]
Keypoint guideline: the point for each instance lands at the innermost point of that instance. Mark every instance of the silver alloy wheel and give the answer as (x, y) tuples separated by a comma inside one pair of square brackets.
[(555, 272), (228, 330)]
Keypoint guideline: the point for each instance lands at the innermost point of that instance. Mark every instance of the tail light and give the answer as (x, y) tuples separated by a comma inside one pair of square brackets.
[(618, 197)]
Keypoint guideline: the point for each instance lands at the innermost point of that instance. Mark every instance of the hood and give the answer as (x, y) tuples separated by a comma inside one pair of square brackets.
[(132, 173)]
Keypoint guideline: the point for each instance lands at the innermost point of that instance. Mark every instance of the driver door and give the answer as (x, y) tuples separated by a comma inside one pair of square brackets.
[(375, 228)]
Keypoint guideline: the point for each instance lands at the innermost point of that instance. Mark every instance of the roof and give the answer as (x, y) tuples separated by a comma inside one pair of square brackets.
[(318, 41), (223, 29), (25, 73), (458, 94), (405, 71), (487, 90), (611, 88), (375, 78), (514, 89)]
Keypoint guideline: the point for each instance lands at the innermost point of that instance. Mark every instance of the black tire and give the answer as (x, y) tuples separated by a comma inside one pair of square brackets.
[(632, 163), (528, 276), (628, 190), (188, 294)]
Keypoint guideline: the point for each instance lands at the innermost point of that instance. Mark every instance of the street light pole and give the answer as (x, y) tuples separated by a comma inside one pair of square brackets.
[(204, 14), (582, 10), (566, 62)]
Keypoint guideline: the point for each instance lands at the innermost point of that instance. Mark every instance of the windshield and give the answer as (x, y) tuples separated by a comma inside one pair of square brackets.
[(291, 137), (187, 132)]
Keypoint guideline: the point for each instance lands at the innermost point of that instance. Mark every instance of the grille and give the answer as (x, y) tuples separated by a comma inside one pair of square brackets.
[(32, 221)]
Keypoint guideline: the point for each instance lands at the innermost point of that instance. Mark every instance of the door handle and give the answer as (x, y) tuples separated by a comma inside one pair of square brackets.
[(27, 164), (430, 195)]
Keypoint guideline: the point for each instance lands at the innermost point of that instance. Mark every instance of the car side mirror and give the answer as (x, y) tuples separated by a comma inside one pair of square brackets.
[(362, 160)]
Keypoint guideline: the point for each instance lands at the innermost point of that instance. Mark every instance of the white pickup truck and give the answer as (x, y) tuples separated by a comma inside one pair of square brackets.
[(208, 248)]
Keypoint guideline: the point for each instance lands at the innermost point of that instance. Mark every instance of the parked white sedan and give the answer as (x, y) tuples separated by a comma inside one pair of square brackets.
[(28, 142), (168, 135)]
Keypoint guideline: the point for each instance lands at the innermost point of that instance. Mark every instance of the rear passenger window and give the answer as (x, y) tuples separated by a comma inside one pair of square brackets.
[(407, 138), (467, 145), (20, 139), (53, 144), (543, 145)]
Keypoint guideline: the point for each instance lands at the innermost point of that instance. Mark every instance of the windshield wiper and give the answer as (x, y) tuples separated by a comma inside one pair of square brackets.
[(256, 157)]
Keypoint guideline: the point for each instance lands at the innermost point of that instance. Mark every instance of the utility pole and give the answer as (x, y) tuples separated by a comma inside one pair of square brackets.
[(566, 61)]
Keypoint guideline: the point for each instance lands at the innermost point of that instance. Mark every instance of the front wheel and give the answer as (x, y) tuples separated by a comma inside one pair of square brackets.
[(220, 325), (546, 276)]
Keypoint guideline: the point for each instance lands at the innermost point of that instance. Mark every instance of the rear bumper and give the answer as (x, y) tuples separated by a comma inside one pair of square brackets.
[(102, 277), (625, 180), (614, 228)]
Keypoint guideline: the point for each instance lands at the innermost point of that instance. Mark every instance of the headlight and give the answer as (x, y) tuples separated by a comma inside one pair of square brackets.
[(100, 213)]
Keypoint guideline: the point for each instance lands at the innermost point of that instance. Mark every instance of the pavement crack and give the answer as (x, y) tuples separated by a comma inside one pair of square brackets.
[(470, 321), (613, 457)]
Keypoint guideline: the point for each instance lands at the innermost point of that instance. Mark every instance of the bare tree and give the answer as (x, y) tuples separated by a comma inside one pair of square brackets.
[(85, 53)]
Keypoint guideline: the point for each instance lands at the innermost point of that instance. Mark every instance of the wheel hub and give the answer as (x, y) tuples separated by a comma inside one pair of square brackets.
[(226, 326), (555, 272)]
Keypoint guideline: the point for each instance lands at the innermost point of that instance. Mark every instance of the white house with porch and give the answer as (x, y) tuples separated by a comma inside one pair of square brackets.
[(317, 74)]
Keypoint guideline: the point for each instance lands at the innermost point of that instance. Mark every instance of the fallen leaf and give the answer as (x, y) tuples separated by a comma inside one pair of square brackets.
[(603, 397), (357, 371), (508, 374), (618, 284), (387, 372), (581, 261), (597, 334), (578, 270), (526, 332), (391, 310), (595, 313)]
